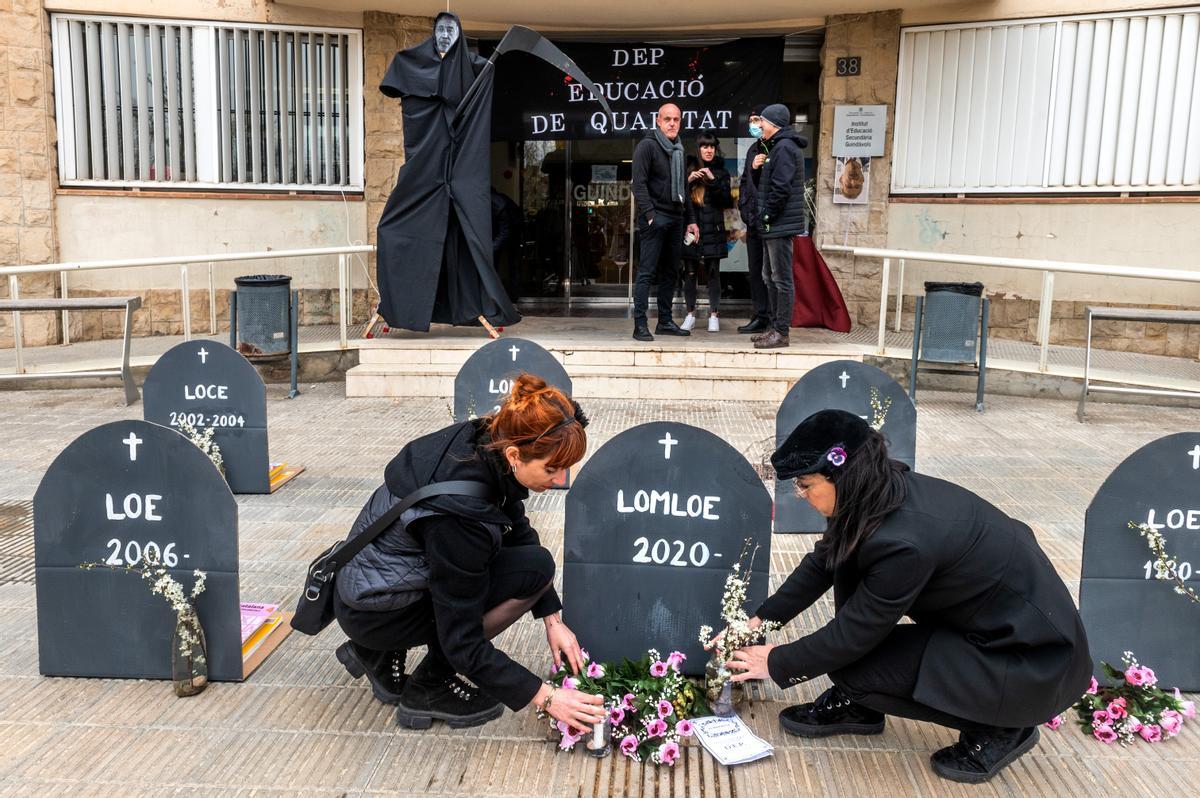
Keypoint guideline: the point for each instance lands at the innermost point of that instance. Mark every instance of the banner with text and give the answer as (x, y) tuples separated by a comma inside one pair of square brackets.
[(714, 86)]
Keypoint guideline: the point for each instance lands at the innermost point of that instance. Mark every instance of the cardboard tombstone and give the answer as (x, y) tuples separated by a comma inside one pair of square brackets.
[(654, 522), (1124, 607), (115, 494), (486, 377), (210, 385), (842, 385)]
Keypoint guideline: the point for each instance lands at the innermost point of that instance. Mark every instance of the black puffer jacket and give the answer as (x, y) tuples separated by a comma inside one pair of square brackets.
[(710, 216), (781, 187)]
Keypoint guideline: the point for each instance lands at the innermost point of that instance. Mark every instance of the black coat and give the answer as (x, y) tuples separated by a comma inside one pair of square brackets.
[(434, 258), (652, 183), (781, 187), (460, 540), (1008, 646), (748, 187), (710, 217)]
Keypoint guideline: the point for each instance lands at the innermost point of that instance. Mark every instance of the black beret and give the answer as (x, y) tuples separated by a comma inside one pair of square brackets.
[(811, 445)]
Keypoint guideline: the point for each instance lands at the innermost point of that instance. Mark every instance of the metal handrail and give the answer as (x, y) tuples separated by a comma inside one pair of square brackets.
[(1048, 268), (345, 282)]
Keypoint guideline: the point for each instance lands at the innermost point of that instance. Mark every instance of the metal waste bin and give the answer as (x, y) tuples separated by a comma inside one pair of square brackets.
[(262, 316), (951, 329)]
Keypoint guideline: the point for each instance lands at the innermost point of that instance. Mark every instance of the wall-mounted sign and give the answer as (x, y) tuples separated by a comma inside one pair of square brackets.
[(848, 66), (858, 130), (714, 86)]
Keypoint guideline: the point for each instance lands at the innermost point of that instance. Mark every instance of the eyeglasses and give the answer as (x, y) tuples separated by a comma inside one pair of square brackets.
[(801, 490)]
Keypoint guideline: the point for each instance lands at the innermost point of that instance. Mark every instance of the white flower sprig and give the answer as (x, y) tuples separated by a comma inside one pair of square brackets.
[(879, 409), (738, 633), (1166, 567), (204, 442)]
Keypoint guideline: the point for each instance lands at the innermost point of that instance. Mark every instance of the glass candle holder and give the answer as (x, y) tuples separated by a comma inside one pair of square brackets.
[(600, 743)]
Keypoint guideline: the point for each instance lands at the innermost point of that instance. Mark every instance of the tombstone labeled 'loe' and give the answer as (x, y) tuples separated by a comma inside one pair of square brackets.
[(210, 385), (486, 378), (842, 385), (654, 522), (1124, 607), (115, 494)]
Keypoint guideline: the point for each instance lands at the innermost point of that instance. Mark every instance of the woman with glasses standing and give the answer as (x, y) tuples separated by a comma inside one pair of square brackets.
[(709, 193), (996, 646)]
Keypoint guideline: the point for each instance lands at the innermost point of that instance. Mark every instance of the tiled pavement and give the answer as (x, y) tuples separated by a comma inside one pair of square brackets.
[(301, 725)]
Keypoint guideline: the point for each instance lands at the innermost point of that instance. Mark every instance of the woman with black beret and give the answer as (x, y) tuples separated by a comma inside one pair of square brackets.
[(996, 646)]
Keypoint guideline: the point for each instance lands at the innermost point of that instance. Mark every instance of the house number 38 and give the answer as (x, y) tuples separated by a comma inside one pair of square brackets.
[(849, 66)]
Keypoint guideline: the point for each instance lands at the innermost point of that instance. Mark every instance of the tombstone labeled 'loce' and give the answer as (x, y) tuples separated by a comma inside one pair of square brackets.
[(1124, 607), (486, 377), (654, 522), (116, 494), (856, 388), (207, 384)]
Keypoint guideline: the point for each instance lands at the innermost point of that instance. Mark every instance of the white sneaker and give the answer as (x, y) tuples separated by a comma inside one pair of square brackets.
[(713, 324), (689, 322)]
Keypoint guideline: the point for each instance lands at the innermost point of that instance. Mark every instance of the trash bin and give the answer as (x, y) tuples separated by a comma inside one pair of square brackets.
[(951, 322), (263, 315)]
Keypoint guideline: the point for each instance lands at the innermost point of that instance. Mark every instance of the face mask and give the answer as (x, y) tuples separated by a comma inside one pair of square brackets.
[(756, 131)]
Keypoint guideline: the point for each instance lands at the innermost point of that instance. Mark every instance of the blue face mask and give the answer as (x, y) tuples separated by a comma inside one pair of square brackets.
[(756, 131)]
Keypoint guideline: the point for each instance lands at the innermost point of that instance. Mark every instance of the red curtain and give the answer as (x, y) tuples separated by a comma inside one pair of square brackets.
[(819, 301)]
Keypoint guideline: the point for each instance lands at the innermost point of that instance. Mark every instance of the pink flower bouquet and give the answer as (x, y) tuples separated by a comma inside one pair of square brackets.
[(1133, 707)]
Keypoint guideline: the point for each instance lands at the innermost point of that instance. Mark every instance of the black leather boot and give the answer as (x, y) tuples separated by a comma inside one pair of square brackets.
[(669, 327), (383, 669), (979, 755), (755, 325), (641, 332), (460, 704), (832, 713)]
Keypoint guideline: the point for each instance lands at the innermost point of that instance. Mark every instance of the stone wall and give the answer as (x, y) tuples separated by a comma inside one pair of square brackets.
[(383, 151), (876, 38), (27, 165)]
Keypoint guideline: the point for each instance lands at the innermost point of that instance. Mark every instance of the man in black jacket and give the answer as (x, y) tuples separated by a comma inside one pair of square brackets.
[(756, 155), (660, 188), (780, 219)]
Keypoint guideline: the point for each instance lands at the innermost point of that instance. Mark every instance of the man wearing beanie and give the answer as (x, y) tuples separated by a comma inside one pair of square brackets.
[(780, 219), (756, 155)]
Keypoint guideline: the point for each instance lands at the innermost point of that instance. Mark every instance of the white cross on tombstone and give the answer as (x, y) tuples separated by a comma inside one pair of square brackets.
[(203, 353), (667, 443), (514, 349), (132, 442), (844, 377), (1195, 453)]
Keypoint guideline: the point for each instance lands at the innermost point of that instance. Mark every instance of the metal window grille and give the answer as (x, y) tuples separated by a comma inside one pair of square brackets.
[(153, 102), (1098, 103)]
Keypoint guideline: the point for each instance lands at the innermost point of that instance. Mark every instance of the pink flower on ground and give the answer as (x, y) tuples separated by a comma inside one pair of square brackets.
[(1171, 722), (668, 753), (595, 671), (675, 659), (629, 745), (1151, 733), (1105, 734), (570, 683), (665, 708), (568, 740), (553, 669), (1054, 723), (1189, 707), (627, 703), (586, 656), (656, 728), (616, 715), (1094, 687), (1100, 717), (684, 728), (1141, 677), (658, 669), (1116, 710)]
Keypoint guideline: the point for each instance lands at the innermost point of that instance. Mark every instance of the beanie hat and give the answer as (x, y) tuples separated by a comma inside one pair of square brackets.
[(777, 114)]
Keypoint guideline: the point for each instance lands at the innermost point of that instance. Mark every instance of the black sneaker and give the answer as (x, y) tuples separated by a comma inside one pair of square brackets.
[(831, 713), (977, 756), (669, 327), (755, 325), (454, 701), (642, 333), (387, 677)]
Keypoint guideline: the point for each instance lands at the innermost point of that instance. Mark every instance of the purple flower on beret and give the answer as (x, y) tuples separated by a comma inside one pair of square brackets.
[(836, 456)]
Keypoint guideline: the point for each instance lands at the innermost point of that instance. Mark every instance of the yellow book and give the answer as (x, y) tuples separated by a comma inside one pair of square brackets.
[(262, 633)]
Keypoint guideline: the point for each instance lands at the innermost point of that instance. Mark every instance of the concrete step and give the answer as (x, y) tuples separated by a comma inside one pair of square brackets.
[(756, 376)]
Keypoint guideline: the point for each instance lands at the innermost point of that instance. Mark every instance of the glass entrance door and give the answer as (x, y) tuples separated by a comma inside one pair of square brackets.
[(601, 248)]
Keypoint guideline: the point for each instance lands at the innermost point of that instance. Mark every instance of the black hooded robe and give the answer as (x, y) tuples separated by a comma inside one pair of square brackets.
[(434, 256)]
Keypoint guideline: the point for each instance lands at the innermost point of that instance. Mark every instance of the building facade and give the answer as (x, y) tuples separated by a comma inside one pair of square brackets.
[(1069, 132)]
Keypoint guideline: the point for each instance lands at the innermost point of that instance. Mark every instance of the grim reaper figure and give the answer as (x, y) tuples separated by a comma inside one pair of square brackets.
[(435, 235)]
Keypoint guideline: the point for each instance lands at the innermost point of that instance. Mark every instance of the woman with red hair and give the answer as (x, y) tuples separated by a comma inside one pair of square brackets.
[(456, 570)]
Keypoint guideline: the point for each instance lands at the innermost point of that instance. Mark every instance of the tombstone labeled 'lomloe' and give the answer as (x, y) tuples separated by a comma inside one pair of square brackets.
[(116, 494), (1124, 607), (854, 387), (210, 385), (655, 521), (486, 378)]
